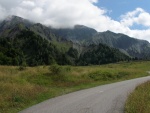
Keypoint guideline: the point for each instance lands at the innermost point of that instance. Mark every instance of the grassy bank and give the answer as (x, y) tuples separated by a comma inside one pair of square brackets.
[(139, 100), (21, 89)]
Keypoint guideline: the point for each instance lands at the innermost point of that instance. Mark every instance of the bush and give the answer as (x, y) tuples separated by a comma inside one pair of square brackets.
[(68, 68), (108, 75), (55, 69), (23, 66), (122, 74), (58, 73), (102, 76)]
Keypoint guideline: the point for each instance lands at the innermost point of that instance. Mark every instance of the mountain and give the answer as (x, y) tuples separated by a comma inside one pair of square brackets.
[(43, 31), (87, 36), (31, 49), (77, 37), (12, 21), (77, 33), (101, 54), (12, 25), (25, 42), (134, 47)]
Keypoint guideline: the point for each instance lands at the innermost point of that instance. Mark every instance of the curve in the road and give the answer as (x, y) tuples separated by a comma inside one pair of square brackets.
[(102, 99)]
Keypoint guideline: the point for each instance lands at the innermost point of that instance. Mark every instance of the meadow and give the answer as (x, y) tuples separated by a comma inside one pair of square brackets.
[(23, 87)]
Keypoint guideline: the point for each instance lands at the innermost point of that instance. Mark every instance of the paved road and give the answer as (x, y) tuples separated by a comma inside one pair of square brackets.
[(102, 99)]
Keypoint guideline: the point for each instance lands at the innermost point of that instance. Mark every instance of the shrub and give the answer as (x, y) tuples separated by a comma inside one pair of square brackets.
[(68, 68), (55, 69), (58, 73), (122, 74), (23, 66), (102, 76)]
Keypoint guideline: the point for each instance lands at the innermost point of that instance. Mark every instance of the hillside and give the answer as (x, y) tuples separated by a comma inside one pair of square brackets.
[(30, 49), (26, 43), (27, 48), (78, 34), (134, 47), (101, 54), (87, 36)]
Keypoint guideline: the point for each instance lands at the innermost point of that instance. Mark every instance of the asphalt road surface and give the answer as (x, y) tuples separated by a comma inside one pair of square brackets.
[(102, 99)]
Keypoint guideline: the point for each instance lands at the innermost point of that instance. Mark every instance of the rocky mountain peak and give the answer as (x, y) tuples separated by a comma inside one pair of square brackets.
[(15, 20)]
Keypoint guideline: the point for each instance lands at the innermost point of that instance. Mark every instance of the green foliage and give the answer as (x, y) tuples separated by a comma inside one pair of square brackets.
[(101, 54), (23, 66), (122, 74), (9, 55), (108, 75), (57, 73), (34, 50), (55, 69), (73, 53), (68, 68)]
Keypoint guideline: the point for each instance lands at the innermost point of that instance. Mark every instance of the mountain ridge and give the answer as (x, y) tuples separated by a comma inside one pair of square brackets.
[(26, 43), (129, 45), (79, 37)]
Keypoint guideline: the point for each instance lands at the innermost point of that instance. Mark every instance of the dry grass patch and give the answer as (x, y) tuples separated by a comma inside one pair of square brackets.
[(21, 89), (139, 100)]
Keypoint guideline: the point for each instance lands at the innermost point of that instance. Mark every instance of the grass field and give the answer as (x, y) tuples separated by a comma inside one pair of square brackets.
[(21, 89), (139, 100)]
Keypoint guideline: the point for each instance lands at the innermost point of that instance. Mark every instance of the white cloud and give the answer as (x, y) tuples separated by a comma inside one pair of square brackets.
[(27, 4), (141, 34), (138, 16), (8, 4), (64, 13), (2, 13), (67, 13), (93, 1)]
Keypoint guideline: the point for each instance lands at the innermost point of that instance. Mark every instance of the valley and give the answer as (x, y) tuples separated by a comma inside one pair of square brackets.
[(39, 62)]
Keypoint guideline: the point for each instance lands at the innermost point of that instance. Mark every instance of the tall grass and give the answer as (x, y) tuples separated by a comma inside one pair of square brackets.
[(139, 100), (21, 89)]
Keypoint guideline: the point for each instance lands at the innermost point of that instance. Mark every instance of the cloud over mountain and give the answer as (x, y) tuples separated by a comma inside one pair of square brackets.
[(67, 13)]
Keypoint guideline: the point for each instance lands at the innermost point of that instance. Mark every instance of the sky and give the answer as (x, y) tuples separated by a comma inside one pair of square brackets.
[(130, 17)]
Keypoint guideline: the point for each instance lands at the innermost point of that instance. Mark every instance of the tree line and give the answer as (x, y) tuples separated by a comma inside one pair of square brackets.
[(30, 49)]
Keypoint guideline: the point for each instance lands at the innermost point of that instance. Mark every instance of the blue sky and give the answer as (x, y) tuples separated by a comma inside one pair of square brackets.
[(116, 8), (130, 17), (120, 7)]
